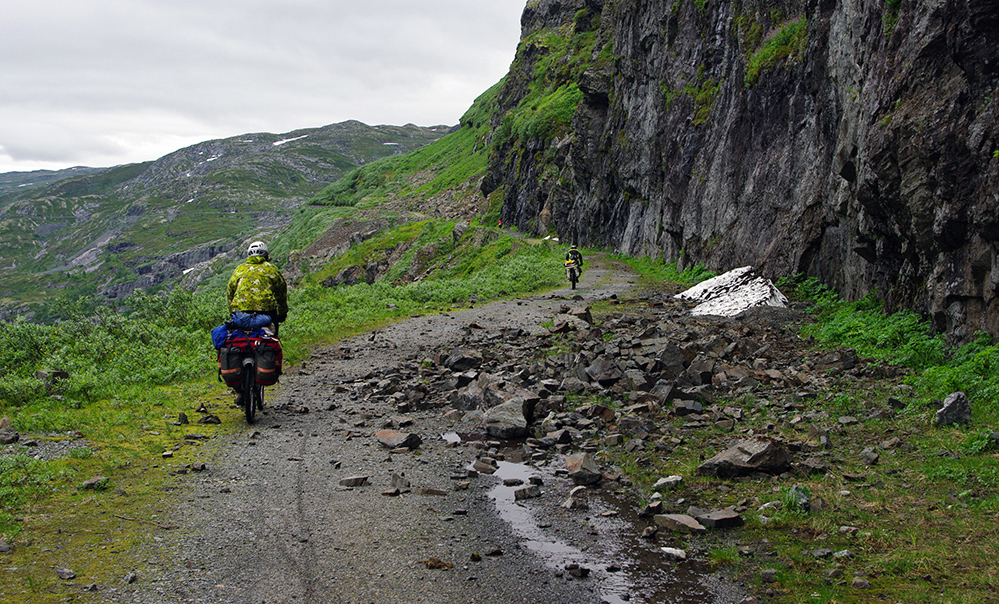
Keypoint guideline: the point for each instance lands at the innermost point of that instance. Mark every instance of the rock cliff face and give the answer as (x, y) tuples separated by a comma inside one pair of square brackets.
[(854, 141)]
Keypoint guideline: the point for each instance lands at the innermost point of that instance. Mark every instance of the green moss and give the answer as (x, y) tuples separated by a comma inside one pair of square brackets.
[(786, 43)]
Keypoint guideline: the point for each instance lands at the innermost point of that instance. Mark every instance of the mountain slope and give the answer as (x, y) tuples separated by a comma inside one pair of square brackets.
[(111, 231)]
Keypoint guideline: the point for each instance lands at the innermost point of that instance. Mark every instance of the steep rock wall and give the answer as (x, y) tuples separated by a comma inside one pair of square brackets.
[(866, 155)]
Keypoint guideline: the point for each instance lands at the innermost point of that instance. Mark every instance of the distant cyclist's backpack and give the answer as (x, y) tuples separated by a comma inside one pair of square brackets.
[(269, 359), (231, 354)]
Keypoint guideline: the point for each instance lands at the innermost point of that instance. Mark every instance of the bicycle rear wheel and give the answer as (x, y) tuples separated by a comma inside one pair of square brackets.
[(250, 393)]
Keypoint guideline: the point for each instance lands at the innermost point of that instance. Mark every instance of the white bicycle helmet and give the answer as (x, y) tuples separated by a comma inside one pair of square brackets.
[(257, 248)]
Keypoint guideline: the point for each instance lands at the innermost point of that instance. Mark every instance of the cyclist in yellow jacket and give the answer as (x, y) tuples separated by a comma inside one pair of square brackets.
[(257, 288)]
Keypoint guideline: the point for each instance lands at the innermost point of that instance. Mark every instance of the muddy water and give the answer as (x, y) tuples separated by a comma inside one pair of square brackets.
[(626, 569)]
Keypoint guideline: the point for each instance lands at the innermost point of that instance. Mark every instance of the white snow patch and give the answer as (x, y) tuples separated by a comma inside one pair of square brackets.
[(288, 140), (187, 270), (27, 184), (732, 293)]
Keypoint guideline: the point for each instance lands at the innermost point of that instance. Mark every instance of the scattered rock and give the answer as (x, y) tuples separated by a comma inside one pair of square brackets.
[(354, 481), (757, 454), (529, 492), (64, 573), (582, 469), (679, 523), (576, 499), (9, 437), (673, 553), (507, 420), (719, 519), (398, 440), (956, 410), (577, 571), (668, 484), (95, 484)]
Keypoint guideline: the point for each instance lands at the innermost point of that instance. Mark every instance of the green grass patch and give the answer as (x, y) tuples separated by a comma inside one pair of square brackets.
[(654, 270), (788, 42)]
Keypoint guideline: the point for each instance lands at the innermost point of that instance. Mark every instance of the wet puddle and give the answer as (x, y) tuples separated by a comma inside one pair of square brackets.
[(628, 568)]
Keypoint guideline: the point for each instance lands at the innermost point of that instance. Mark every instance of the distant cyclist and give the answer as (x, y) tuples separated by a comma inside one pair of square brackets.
[(575, 257), (573, 266), (257, 292)]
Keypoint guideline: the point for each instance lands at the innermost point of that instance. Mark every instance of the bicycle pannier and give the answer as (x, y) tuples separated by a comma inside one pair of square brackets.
[(269, 359), (231, 356)]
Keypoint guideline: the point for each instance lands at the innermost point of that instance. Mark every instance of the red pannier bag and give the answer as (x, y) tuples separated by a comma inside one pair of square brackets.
[(268, 358), (231, 356)]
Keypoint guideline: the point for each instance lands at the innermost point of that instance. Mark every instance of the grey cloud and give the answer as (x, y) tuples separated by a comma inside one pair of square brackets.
[(106, 78)]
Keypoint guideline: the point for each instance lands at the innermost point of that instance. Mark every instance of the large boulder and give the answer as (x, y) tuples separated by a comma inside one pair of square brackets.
[(956, 410), (732, 293), (507, 420), (748, 456)]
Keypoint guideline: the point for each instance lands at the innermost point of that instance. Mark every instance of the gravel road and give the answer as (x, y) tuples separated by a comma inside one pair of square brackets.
[(269, 521)]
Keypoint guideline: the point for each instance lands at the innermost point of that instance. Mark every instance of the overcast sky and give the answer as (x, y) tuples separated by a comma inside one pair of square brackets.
[(106, 82)]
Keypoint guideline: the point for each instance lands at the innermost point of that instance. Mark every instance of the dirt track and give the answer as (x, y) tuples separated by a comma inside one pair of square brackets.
[(269, 521)]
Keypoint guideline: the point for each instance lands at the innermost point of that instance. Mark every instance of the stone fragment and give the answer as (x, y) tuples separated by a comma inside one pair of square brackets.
[(679, 523), (605, 371), (95, 483), (720, 519), (820, 436), (9, 437), (576, 499), (529, 492), (668, 484), (860, 583), (870, 456), (64, 573), (577, 571), (354, 481), (5, 547), (673, 553), (757, 454), (686, 407), (483, 466), (463, 359), (507, 420), (582, 469), (768, 575), (393, 439), (956, 410), (430, 492), (840, 360)]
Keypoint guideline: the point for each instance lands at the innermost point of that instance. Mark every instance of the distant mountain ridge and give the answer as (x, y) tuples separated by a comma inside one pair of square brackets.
[(107, 232)]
